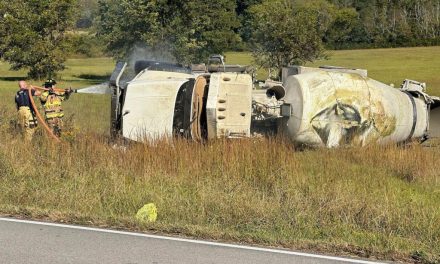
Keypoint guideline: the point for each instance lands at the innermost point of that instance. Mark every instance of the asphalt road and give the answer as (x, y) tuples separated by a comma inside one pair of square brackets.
[(38, 242)]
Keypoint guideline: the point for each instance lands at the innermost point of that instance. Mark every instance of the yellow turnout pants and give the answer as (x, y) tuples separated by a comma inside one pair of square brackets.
[(56, 124), (26, 123)]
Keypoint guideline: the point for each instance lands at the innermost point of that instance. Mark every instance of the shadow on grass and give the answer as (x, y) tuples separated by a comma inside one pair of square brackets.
[(13, 79), (93, 77)]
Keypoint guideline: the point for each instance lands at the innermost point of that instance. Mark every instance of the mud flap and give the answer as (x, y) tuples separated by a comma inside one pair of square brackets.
[(434, 122), (182, 110), (116, 103), (198, 122)]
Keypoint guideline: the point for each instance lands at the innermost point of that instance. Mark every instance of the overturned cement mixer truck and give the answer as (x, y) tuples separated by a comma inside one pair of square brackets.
[(314, 107)]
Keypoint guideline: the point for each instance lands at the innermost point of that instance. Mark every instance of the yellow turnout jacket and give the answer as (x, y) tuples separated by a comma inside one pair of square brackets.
[(52, 104)]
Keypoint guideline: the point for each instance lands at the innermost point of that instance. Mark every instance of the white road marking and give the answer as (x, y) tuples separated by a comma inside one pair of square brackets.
[(200, 242)]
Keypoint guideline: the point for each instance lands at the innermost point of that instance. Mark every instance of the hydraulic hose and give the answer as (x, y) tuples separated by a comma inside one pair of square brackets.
[(40, 119)]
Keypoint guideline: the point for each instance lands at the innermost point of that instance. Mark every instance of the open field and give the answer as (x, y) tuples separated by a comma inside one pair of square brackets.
[(380, 202), (91, 112), (386, 65)]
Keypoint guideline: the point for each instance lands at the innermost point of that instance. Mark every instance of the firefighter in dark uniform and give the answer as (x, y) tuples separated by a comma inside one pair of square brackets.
[(26, 113)]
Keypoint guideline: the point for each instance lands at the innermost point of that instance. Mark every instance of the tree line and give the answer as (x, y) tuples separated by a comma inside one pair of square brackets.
[(38, 34), (390, 23)]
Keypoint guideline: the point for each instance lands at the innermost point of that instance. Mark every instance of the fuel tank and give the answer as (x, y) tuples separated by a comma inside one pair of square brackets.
[(331, 109)]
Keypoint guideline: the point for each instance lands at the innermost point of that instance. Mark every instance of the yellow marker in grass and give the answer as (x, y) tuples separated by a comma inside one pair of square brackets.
[(148, 213)]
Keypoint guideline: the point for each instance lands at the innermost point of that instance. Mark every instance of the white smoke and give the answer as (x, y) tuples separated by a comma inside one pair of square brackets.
[(143, 52), (140, 52)]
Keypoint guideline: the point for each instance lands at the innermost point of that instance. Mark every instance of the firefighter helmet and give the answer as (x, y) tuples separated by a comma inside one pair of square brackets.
[(49, 83)]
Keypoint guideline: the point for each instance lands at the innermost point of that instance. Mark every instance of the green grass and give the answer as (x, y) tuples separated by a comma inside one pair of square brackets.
[(89, 112), (394, 65), (385, 65), (380, 202)]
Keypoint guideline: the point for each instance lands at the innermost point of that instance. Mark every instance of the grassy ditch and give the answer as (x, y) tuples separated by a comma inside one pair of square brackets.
[(376, 202)]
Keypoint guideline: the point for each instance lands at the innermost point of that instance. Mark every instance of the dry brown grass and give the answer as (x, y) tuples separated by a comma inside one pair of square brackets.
[(378, 201)]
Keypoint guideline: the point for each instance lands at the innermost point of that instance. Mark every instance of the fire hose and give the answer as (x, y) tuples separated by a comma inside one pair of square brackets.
[(46, 89), (37, 113)]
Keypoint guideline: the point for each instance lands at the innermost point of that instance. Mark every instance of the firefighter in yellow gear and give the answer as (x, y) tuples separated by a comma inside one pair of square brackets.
[(26, 113), (51, 101)]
